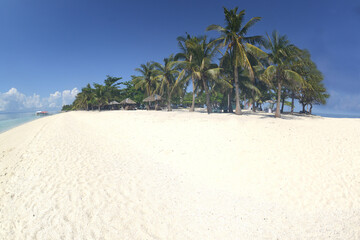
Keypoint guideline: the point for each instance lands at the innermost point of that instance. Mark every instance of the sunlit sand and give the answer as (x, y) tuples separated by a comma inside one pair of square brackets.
[(180, 175)]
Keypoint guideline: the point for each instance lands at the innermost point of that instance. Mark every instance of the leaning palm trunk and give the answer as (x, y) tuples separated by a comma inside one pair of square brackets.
[(208, 106), (192, 109), (237, 92), (277, 113)]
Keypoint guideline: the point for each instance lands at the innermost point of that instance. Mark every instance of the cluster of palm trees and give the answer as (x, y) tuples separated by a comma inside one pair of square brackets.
[(235, 67), (97, 96)]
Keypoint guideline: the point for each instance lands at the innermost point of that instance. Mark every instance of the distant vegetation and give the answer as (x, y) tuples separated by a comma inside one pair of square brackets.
[(232, 70)]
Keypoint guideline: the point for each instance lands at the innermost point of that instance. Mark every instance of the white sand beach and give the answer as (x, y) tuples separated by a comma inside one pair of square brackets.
[(180, 175)]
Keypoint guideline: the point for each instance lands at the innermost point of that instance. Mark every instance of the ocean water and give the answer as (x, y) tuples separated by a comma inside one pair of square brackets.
[(11, 120), (337, 115)]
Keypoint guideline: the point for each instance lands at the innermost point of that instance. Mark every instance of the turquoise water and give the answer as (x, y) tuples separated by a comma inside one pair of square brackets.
[(11, 120), (337, 115)]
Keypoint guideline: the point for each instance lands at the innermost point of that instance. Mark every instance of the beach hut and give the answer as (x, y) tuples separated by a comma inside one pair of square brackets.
[(128, 104), (113, 105), (153, 98)]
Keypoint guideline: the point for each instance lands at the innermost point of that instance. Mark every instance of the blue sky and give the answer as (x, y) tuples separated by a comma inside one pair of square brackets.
[(49, 48)]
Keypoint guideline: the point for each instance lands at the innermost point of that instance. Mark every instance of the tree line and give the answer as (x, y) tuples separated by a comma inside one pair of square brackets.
[(232, 69)]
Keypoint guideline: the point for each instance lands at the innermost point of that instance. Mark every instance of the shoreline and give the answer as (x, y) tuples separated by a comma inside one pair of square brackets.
[(180, 175), (247, 112), (19, 121)]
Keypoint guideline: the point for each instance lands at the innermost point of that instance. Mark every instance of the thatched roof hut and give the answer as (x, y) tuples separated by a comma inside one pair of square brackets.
[(114, 103), (152, 98), (127, 101)]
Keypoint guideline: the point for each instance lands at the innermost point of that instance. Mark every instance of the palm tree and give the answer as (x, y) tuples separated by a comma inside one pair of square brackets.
[(204, 71), (107, 92), (80, 101), (281, 56), (84, 98), (101, 95), (233, 37), (88, 95), (186, 55), (146, 80), (169, 76)]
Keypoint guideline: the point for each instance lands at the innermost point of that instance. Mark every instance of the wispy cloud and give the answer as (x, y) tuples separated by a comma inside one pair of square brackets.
[(14, 100), (341, 102)]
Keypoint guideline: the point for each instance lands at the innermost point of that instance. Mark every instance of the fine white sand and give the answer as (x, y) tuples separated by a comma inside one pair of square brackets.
[(180, 175)]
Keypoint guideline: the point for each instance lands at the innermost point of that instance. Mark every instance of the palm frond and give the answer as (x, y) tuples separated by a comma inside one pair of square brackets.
[(249, 24), (268, 75), (255, 51), (294, 77), (216, 28)]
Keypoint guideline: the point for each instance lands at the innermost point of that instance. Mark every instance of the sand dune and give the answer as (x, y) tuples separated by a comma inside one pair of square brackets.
[(180, 175)]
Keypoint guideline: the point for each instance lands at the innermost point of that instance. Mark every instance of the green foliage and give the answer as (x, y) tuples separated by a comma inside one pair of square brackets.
[(238, 45), (146, 80), (313, 91), (67, 108), (130, 91), (282, 72)]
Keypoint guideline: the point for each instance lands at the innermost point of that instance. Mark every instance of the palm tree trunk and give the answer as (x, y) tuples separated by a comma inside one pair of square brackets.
[(192, 109), (148, 94), (253, 103), (292, 102), (99, 108), (310, 111), (277, 113), (208, 107), (303, 105), (169, 102), (237, 93), (282, 104), (230, 109)]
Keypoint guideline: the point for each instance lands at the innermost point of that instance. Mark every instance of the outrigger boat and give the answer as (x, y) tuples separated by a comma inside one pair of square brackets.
[(42, 113)]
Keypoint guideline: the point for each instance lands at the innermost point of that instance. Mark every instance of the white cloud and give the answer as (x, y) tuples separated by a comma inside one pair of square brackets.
[(54, 99), (69, 96), (13, 100)]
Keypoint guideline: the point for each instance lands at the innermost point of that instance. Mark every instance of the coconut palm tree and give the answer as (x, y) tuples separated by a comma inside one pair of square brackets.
[(186, 55), (169, 76), (80, 101), (101, 95), (88, 93), (233, 37), (281, 56), (202, 66), (146, 81), (84, 98)]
